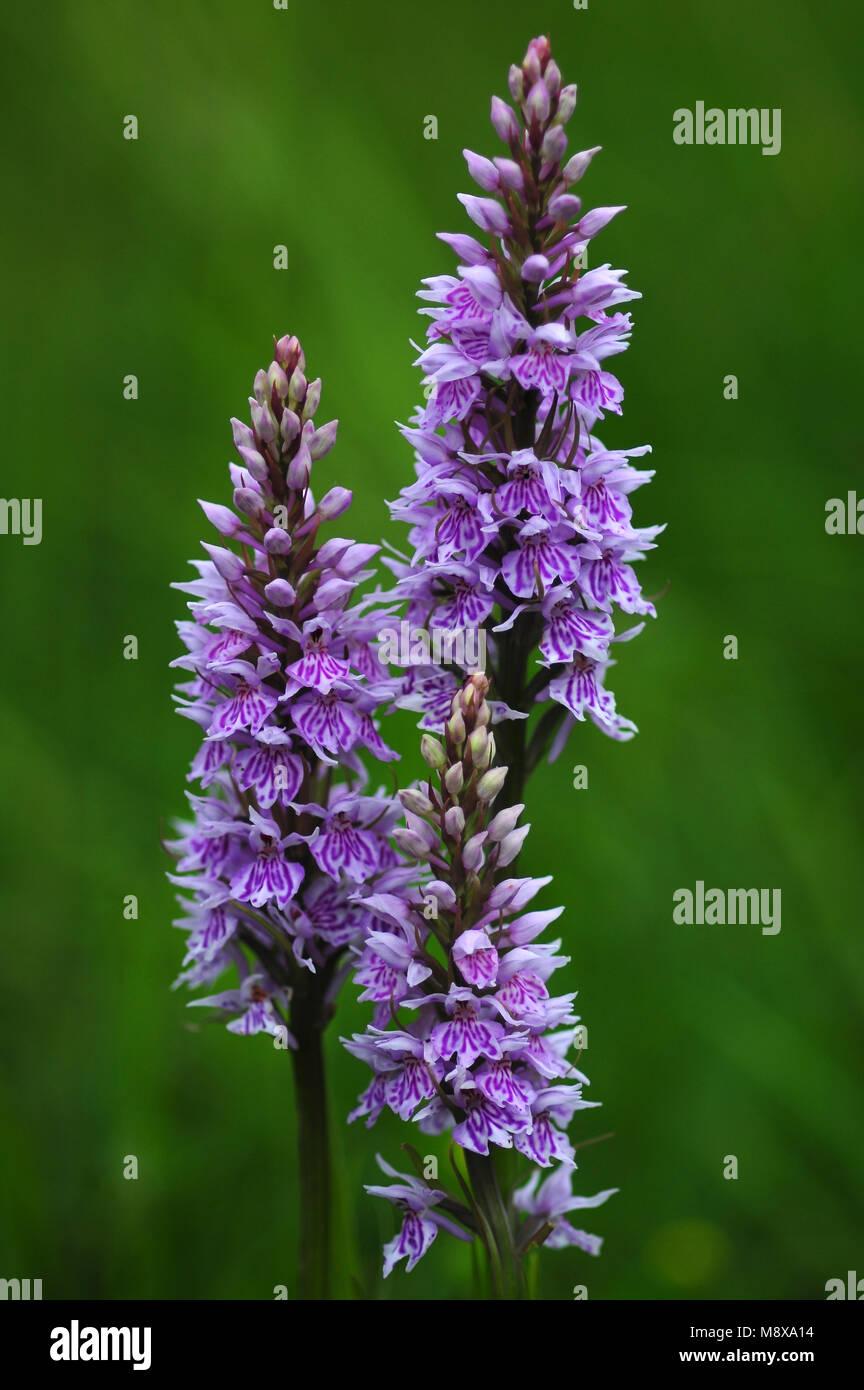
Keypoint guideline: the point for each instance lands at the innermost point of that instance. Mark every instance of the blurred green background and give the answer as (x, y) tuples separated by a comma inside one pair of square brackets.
[(155, 257)]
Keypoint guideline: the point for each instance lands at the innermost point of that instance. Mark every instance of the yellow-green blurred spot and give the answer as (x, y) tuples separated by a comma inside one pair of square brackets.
[(687, 1253)]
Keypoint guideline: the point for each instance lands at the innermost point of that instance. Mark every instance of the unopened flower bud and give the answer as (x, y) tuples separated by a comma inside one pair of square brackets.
[(415, 801), (472, 851), (228, 564), (454, 779), (278, 380), (255, 462), (535, 269), (432, 752), (482, 170), (456, 728), (289, 354), (566, 104), (537, 103), (554, 144), (511, 845), (504, 121), (478, 742), (331, 592), (323, 439), (578, 163), (565, 206), (313, 398), (334, 503), (486, 213), (505, 821), (491, 783), (552, 77), (516, 82), (333, 551), (442, 891), (531, 68), (280, 593), (595, 220), (225, 521), (277, 541), (247, 501), (290, 425), (511, 174), (454, 821), (299, 469), (297, 388), (242, 435), (265, 425), (411, 843)]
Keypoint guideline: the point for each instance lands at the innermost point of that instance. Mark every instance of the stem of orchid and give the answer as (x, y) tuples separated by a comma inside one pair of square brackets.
[(313, 1151), (504, 1262), (510, 734), (512, 753)]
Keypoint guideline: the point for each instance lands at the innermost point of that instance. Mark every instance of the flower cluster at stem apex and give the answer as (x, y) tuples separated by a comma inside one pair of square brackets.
[(520, 517), (283, 680)]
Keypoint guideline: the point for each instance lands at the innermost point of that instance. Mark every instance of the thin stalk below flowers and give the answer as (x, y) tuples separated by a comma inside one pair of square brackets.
[(508, 1282), (313, 1150)]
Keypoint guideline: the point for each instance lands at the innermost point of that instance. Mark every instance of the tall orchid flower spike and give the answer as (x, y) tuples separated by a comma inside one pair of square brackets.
[(283, 681), (466, 1035), (521, 522)]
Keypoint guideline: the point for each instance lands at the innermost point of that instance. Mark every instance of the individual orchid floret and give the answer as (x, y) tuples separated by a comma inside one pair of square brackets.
[(550, 1201), (421, 1221), (466, 1035), (520, 518)]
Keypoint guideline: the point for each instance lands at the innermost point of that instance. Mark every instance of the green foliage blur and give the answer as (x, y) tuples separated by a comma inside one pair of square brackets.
[(155, 257)]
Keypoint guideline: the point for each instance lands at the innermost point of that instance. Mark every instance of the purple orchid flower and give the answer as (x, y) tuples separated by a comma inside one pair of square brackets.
[(552, 1200), (420, 1222)]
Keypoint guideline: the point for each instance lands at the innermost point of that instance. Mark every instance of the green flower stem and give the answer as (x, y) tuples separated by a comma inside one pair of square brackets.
[(313, 1149), (504, 1262)]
